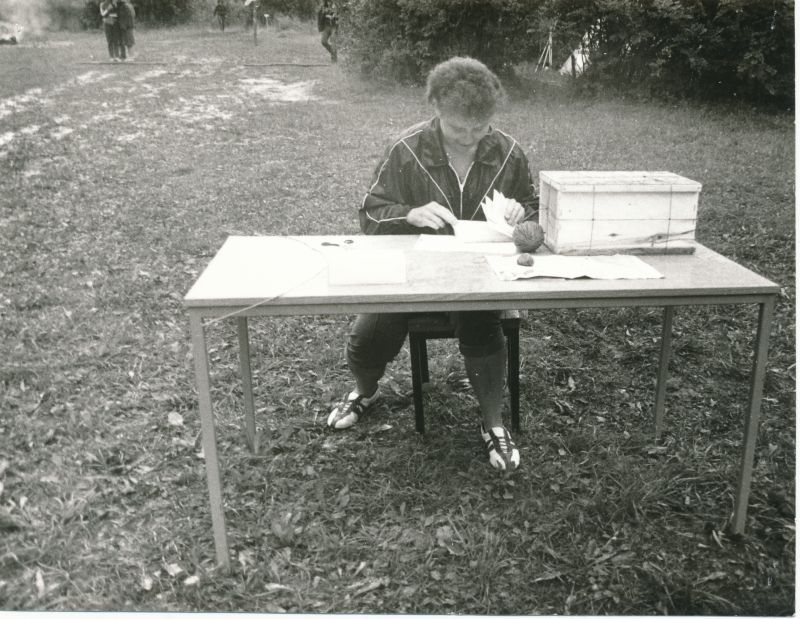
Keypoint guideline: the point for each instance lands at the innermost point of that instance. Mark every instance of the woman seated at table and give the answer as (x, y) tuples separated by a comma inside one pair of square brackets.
[(436, 173)]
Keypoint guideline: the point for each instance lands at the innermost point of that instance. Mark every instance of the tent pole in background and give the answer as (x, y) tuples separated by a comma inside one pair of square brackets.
[(546, 57)]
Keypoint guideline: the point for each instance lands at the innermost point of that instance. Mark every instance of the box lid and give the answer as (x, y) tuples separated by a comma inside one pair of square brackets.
[(617, 181)]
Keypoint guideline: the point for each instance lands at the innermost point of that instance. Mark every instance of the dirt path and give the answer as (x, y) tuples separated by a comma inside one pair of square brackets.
[(117, 96)]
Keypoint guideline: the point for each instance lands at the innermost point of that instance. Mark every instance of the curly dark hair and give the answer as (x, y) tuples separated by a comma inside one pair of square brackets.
[(465, 86)]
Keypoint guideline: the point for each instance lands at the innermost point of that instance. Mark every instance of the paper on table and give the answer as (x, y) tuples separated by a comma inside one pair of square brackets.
[(570, 267), (494, 230), (447, 243), (478, 232), (363, 266)]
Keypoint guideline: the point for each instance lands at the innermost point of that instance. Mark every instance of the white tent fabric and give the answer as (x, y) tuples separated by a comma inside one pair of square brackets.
[(579, 58), (10, 33)]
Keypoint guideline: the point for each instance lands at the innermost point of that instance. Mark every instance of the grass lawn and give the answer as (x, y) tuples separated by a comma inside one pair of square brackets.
[(118, 182)]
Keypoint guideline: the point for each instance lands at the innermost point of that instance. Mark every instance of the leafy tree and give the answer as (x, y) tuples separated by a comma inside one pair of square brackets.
[(90, 15), (301, 9), (711, 49), (166, 12), (170, 12), (403, 39), (702, 48)]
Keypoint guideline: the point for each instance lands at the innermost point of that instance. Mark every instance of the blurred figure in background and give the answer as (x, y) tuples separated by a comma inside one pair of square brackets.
[(109, 12), (126, 19), (255, 11), (221, 12), (327, 24)]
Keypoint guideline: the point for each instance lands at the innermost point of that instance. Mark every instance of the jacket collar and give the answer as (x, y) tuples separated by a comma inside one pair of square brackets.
[(432, 153)]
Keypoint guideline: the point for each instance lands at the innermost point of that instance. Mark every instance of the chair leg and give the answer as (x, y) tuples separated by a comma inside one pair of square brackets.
[(417, 346), (423, 359), (512, 343)]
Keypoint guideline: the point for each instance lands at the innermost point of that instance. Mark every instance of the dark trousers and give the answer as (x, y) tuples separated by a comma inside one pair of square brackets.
[(116, 47), (128, 38), (325, 39), (376, 339)]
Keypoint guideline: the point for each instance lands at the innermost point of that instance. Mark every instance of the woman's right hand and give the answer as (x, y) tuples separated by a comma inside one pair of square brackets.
[(432, 215)]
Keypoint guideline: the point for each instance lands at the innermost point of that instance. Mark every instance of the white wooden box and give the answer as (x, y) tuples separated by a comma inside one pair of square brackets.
[(618, 212)]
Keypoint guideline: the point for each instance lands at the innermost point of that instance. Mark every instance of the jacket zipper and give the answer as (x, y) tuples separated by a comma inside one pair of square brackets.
[(461, 187)]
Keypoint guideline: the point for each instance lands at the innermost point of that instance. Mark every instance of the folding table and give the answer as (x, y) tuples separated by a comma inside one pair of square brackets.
[(283, 276)]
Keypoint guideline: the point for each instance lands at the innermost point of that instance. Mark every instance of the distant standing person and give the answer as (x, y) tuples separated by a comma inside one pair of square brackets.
[(328, 23), (127, 23), (251, 13), (221, 11), (109, 12)]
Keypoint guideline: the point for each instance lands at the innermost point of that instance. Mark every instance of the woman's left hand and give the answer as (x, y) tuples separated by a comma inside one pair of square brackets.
[(515, 212)]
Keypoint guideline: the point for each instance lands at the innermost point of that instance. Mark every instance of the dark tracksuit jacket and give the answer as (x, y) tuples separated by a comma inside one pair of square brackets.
[(415, 171)]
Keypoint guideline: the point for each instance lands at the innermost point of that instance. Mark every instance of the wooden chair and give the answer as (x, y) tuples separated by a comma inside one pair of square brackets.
[(433, 326)]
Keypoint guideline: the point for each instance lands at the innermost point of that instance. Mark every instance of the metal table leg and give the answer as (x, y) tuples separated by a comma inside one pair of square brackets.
[(209, 439), (247, 385), (663, 370), (766, 310)]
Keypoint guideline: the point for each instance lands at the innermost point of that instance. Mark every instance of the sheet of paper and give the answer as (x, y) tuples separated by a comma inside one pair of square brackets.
[(447, 243), (360, 266), (570, 267), (480, 232)]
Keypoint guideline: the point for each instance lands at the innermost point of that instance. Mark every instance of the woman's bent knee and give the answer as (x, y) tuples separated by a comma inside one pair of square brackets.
[(376, 339), (480, 334)]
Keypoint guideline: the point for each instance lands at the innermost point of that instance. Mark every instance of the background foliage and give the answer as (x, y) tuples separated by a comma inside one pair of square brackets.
[(165, 12), (404, 39), (729, 49), (171, 12), (709, 48)]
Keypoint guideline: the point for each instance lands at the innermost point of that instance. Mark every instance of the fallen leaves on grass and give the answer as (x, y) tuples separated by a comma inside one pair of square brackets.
[(108, 225)]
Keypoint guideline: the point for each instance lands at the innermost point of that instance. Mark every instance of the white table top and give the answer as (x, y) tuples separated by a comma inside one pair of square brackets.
[(290, 275)]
